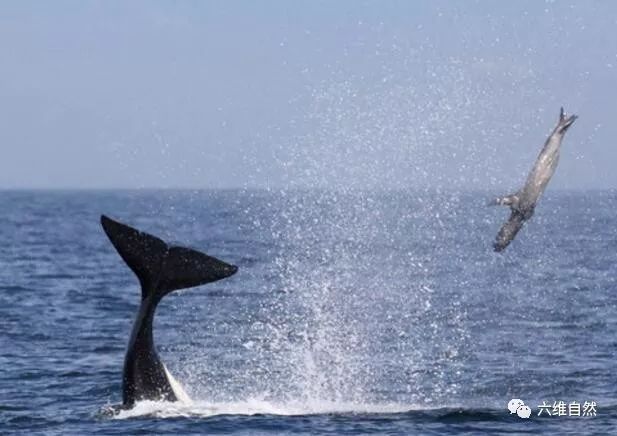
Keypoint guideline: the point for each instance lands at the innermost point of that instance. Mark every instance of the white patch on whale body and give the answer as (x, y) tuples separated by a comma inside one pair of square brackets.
[(181, 395)]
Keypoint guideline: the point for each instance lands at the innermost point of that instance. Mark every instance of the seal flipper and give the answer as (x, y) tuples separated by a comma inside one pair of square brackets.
[(508, 200)]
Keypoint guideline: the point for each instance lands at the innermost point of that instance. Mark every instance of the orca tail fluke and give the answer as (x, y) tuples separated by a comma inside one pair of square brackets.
[(159, 267), (565, 122)]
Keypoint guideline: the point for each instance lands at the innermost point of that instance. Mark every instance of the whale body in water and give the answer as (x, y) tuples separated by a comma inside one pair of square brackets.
[(161, 269)]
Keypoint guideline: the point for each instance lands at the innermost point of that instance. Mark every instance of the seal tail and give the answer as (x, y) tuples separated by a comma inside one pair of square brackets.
[(565, 122), (159, 267)]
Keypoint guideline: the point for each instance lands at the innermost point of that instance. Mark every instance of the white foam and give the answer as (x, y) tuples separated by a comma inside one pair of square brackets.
[(255, 406)]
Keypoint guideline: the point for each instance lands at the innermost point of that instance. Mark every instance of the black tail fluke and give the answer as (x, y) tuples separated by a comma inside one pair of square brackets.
[(143, 253), (185, 268), (159, 267)]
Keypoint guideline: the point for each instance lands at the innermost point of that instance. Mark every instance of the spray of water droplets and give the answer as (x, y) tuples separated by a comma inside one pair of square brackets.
[(354, 251)]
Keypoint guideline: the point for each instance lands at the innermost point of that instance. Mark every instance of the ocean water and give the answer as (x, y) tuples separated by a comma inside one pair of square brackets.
[(376, 312)]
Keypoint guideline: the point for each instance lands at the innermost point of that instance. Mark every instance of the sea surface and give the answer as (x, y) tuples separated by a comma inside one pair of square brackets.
[(368, 312)]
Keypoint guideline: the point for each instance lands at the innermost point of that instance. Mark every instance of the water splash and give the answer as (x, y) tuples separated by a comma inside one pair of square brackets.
[(249, 407), (357, 252)]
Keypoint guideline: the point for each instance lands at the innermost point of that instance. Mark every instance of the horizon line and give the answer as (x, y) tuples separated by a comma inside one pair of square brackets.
[(281, 188)]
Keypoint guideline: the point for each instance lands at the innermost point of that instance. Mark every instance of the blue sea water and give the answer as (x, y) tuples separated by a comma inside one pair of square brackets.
[(377, 312)]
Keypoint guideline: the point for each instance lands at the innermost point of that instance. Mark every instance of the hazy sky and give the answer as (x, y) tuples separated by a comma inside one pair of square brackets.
[(210, 94)]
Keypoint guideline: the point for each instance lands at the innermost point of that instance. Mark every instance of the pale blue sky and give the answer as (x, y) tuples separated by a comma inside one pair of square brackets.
[(210, 94)]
